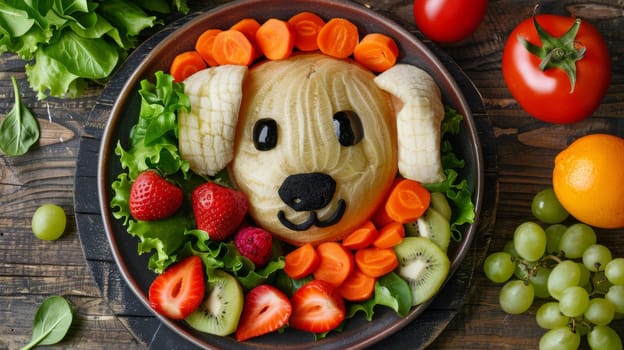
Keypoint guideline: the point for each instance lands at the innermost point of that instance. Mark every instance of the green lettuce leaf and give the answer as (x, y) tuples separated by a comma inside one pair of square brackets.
[(83, 40), (120, 201), (161, 238), (457, 190), (391, 291), (153, 140), (49, 76), (225, 256), (23, 28)]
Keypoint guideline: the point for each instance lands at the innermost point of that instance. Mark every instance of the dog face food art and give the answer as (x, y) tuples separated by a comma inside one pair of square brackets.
[(315, 149)]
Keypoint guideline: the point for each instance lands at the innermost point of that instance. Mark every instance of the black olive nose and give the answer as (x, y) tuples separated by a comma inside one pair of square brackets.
[(307, 191)]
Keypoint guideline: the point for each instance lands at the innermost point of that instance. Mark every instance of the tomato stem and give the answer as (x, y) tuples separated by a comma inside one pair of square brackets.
[(557, 52)]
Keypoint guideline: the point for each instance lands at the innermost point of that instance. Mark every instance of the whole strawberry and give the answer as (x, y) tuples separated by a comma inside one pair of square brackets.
[(255, 244), (152, 197), (218, 210)]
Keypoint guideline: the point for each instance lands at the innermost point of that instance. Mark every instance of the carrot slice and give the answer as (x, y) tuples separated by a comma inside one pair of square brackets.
[(338, 38), (301, 262), (185, 64), (407, 201), (358, 286), (377, 52), (336, 263), (306, 26), (204, 44), (381, 218), (390, 235), (275, 39), (362, 237), (249, 27), (232, 47), (376, 262)]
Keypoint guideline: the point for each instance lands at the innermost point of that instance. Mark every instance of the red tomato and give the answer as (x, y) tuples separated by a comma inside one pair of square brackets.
[(548, 94), (448, 21)]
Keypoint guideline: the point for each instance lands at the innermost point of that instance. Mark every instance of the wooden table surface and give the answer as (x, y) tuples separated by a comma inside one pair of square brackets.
[(523, 150)]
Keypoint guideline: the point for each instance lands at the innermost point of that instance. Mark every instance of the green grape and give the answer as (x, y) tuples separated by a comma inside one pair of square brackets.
[(618, 316), (499, 267), (530, 241), (596, 257), (516, 297), (576, 239), (616, 296), (600, 311), (539, 280), (562, 338), (565, 274), (553, 236), (549, 316), (614, 271), (573, 301), (509, 248), (604, 338), (48, 222), (584, 280), (546, 207)]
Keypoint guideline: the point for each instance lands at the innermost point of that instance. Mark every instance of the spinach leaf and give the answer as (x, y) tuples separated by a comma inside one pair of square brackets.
[(101, 28), (13, 21), (160, 6), (19, 130), (88, 58), (52, 321), (127, 16)]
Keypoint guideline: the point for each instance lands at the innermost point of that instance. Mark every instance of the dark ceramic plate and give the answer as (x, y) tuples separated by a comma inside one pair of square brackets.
[(358, 333)]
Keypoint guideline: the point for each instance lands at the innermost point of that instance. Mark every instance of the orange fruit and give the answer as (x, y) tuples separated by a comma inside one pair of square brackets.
[(588, 179)]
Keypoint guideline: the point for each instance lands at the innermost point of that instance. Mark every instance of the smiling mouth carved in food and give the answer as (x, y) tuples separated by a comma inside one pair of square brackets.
[(317, 140)]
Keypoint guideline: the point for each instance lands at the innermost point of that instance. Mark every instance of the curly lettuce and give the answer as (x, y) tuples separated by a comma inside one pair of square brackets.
[(154, 145), (457, 190)]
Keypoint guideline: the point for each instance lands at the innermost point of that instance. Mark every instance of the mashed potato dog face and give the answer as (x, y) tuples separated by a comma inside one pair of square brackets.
[(315, 148)]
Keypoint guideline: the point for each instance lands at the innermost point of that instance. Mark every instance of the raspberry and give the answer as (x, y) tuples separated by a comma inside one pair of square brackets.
[(255, 244)]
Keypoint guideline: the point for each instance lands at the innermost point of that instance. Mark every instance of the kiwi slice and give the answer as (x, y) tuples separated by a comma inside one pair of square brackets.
[(440, 203), (432, 225), (423, 265), (221, 308)]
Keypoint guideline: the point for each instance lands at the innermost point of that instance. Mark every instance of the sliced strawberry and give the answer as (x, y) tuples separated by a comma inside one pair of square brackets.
[(152, 197), (179, 290), (266, 309), (317, 307), (218, 210)]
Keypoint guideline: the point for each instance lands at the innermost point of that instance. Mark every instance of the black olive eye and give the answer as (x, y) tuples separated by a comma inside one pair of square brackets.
[(348, 128), (265, 134)]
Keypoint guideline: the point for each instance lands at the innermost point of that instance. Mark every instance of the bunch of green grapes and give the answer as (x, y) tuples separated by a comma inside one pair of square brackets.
[(581, 283)]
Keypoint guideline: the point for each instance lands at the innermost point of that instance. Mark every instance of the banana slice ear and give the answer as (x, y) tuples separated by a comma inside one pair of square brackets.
[(419, 112), (207, 132)]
